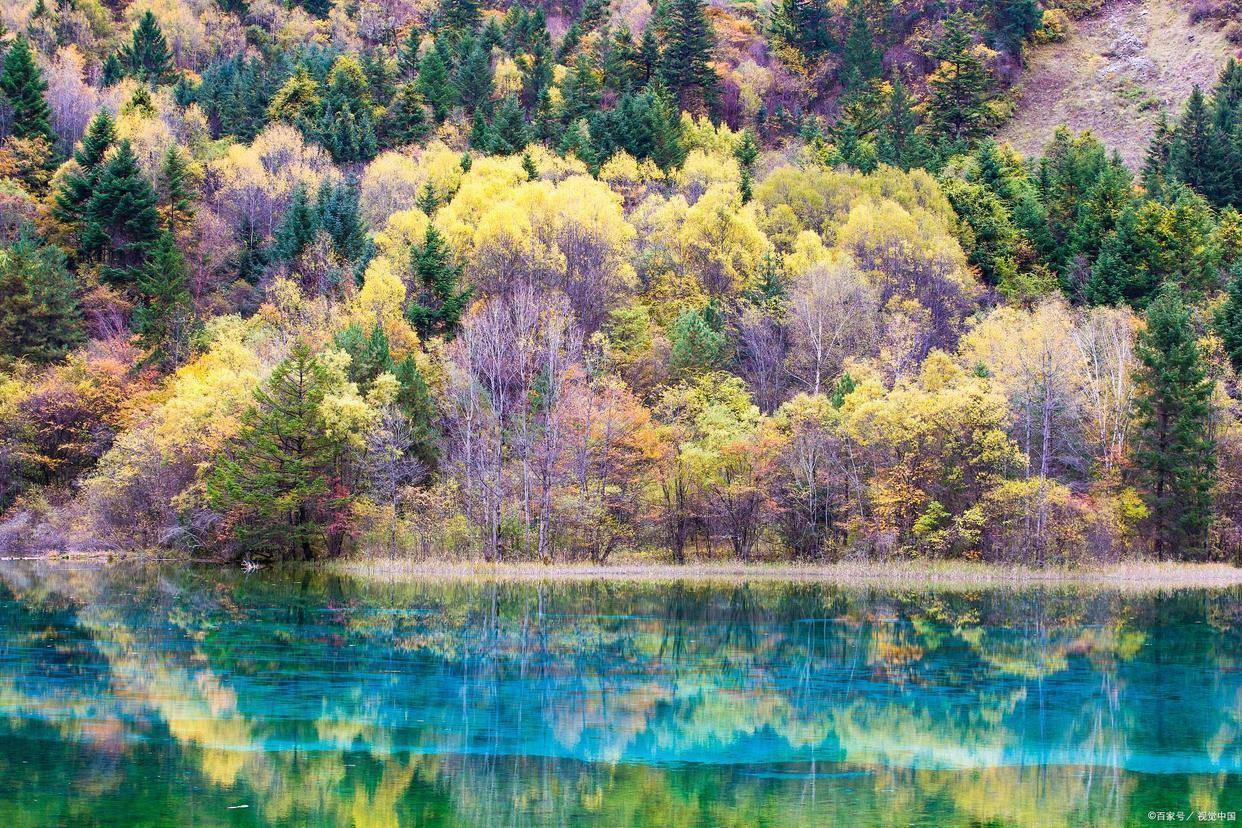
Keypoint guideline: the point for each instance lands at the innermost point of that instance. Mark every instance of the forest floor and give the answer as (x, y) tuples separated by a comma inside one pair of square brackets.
[(1114, 74)]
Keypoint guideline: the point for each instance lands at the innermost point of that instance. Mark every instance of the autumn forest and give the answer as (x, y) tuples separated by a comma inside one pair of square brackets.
[(576, 280)]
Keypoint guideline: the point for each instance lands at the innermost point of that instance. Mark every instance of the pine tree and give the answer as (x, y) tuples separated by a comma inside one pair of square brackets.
[(474, 74), (427, 199), (22, 87), (381, 75), (274, 481), (1228, 320), (685, 64), (164, 312), (347, 125), (509, 134), (480, 132), (79, 183), (405, 121), (174, 190), (861, 60), (297, 227), (1015, 19), (1198, 156), (528, 167), (696, 345), (39, 319), (146, 57), (252, 254), (1157, 160), (537, 76), (806, 25), (438, 300), (120, 221), (434, 84), (1175, 450), (339, 216), (650, 58), (460, 16), (580, 92), (414, 400), (899, 144), (407, 53), (960, 85), (621, 63)]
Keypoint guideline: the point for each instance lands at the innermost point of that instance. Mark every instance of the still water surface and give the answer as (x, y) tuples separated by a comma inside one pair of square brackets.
[(181, 696)]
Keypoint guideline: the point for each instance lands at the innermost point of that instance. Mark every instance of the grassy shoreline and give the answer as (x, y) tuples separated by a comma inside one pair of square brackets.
[(1128, 575), (940, 574)]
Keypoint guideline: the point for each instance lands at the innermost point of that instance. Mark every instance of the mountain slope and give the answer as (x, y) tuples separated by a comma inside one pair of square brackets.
[(1114, 75)]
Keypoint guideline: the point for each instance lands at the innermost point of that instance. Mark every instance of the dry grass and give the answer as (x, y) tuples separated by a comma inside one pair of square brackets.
[(905, 574), (1115, 74)]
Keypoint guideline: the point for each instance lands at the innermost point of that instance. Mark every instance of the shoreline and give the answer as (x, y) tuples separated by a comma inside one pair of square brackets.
[(1144, 575), (1128, 575)]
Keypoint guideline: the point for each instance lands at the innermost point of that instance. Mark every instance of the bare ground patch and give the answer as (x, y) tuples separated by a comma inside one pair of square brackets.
[(1115, 74)]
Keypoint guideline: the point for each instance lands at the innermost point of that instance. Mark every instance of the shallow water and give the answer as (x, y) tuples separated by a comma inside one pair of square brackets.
[(151, 695)]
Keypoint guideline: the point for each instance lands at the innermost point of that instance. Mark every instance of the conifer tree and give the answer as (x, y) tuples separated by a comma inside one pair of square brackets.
[(405, 121), (696, 345), (39, 319), (806, 25), (146, 57), (861, 60), (22, 87), (1156, 161), (474, 74), (434, 85), (480, 132), (1198, 156), (509, 133), (120, 221), (439, 300), (899, 144), (460, 16), (1175, 450), (79, 183), (273, 482), (959, 87), (164, 311), (580, 92), (297, 227), (1228, 320), (537, 76), (427, 200), (414, 400), (685, 64), (339, 216), (1015, 19), (528, 167), (650, 57), (621, 63), (407, 53), (174, 190)]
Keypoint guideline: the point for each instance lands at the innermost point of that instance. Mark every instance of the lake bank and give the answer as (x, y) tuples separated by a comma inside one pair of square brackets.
[(1135, 575), (1143, 575)]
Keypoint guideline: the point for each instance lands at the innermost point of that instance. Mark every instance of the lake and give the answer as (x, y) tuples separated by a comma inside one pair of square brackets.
[(150, 695)]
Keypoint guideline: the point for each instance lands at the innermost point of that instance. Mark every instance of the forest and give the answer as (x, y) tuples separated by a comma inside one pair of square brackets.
[(569, 280)]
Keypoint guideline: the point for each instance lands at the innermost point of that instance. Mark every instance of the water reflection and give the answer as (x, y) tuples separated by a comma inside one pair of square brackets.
[(132, 694)]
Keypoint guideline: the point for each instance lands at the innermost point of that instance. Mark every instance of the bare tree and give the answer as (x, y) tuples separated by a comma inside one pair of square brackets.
[(390, 469), (832, 316)]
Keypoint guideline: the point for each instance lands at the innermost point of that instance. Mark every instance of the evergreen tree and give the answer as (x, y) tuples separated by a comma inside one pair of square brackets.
[(509, 133), (274, 483), (120, 221), (959, 87), (1157, 160), (79, 183), (580, 92), (434, 85), (1228, 320), (407, 53), (438, 298), (480, 132), (806, 25), (537, 76), (405, 121), (528, 167), (861, 60), (381, 76), (414, 400), (427, 200), (252, 254), (339, 216), (39, 319), (1198, 156), (474, 74), (297, 227), (146, 57), (697, 346), (621, 63), (22, 87), (1014, 20), (174, 189), (685, 64), (650, 58), (899, 144), (1175, 450), (461, 17), (164, 312)]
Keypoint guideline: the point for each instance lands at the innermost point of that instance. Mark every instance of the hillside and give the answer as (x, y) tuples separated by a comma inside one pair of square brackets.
[(1114, 75)]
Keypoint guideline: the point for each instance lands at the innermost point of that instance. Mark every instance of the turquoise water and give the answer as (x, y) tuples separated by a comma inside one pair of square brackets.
[(181, 696)]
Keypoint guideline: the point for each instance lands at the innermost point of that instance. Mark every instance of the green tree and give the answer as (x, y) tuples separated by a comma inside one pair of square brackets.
[(79, 182), (146, 57), (438, 299), (174, 189), (1228, 320), (120, 222), (162, 319), (274, 482), (474, 74), (958, 89), (806, 25), (405, 121), (509, 133), (39, 319), (22, 87), (685, 63), (1199, 155), (298, 227), (861, 59), (434, 84), (1175, 450), (697, 345)]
